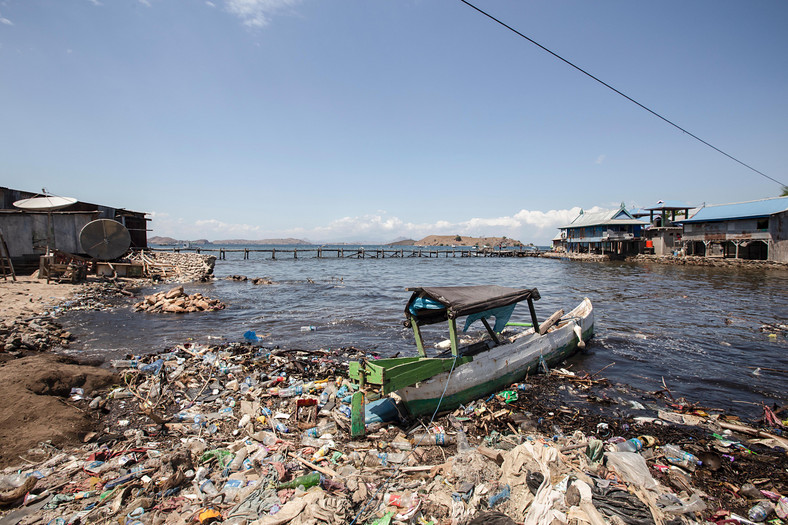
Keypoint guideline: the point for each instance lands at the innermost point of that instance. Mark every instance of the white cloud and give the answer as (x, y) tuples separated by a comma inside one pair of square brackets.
[(213, 227), (257, 13), (525, 225), (600, 159), (5, 21), (210, 4), (145, 2)]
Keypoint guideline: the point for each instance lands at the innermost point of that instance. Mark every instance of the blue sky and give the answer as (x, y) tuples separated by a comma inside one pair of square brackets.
[(369, 120)]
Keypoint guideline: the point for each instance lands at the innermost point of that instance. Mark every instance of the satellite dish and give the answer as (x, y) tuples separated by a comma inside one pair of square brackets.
[(46, 203), (105, 239)]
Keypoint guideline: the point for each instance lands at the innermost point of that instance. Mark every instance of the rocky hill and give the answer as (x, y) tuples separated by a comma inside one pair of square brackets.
[(460, 240)]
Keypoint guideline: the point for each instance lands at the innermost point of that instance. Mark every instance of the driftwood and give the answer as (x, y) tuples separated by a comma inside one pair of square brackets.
[(753, 432), (322, 470)]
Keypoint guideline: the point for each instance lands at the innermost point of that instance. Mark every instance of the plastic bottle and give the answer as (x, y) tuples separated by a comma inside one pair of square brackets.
[(208, 488), (462, 442), (403, 501), (238, 460), (308, 441), (309, 480), (324, 397), (761, 511), (630, 445), (676, 456), (124, 363), (396, 457), (310, 328), (294, 390), (319, 430), (231, 488), (782, 508), (321, 453), (439, 439)]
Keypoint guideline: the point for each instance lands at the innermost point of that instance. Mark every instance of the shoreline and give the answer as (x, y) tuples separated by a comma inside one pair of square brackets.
[(560, 411)]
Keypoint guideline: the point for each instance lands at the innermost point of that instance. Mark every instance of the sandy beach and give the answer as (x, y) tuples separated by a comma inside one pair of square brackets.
[(28, 296)]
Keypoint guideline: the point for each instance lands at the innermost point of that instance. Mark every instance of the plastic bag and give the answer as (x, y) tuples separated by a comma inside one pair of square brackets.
[(632, 468)]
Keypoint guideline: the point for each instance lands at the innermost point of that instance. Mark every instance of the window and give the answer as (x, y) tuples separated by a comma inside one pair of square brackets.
[(762, 224)]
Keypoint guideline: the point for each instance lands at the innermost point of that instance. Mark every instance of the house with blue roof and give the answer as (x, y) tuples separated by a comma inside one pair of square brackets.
[(744, 230), (614, 232)]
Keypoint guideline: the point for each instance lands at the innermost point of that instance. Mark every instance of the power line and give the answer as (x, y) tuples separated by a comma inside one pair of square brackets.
[(559, 57)]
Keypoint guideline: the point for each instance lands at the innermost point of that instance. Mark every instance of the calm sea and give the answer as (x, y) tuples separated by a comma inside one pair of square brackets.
[(696, 327)]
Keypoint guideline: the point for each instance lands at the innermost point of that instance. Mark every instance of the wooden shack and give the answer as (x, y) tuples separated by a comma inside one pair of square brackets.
[(27, 232)]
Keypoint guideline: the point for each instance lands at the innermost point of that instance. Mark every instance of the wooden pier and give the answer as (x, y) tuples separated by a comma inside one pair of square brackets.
[(358, 253)]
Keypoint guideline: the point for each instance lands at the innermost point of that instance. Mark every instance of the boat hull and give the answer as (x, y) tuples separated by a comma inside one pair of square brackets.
[(499, 367)]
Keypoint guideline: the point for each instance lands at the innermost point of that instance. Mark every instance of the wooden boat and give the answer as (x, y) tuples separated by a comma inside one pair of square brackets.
[(446, 381)]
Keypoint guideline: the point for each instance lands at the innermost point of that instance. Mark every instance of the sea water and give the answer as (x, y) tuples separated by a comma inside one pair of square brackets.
[(695, 328)]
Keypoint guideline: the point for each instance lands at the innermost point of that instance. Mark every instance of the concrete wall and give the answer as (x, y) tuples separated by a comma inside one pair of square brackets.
[(25, 233)]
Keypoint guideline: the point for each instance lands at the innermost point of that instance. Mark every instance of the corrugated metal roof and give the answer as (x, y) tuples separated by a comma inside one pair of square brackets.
[(740, 210), (670, 205), (605, 217)]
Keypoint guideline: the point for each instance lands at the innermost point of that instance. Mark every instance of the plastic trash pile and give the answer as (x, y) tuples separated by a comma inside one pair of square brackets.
[(244, 434)]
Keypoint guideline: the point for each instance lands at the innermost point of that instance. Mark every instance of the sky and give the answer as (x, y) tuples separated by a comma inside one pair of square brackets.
[(373, 120)]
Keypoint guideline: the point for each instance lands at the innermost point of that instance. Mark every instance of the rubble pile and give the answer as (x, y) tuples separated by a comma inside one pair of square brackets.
[(178, 302), (248, 434), (37, 334)]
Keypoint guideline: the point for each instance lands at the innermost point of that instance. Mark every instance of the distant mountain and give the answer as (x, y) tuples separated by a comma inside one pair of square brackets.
[(169, 241), (402, 242), (163, 241)]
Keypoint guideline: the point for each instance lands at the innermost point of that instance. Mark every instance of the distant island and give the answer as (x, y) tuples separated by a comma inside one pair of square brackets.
[(462, 240), (430, 240), (169, 241)]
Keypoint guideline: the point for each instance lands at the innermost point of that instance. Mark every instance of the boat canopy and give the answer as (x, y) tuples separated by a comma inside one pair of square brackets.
[(430, 305)]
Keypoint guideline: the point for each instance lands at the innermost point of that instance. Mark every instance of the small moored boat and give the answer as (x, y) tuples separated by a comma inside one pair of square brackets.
[(469, 372)]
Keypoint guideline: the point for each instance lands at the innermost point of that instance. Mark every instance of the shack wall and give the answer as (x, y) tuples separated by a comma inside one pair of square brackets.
[(25, 233), (778, 228)]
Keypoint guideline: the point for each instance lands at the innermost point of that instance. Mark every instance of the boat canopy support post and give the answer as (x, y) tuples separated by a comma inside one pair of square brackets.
[(533, 315), (453, 336), (490, 331), (417, 335)]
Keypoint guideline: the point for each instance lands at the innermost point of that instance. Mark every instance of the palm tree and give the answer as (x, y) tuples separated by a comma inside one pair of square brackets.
[(785, 192)]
